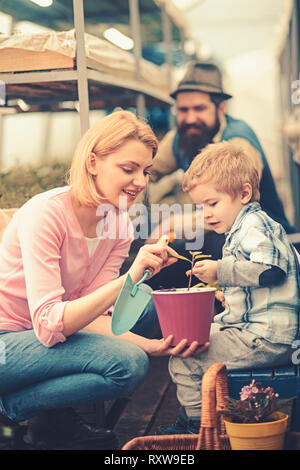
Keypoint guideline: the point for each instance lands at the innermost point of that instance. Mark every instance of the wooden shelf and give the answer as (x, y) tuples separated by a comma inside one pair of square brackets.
[(44, 87), (50, 80)]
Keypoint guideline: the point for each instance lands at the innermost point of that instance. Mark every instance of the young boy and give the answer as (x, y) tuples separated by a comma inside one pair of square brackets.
[(257, 274)]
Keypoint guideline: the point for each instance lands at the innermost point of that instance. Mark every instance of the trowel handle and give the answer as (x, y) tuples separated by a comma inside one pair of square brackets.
[(135, 288), (146, 274)]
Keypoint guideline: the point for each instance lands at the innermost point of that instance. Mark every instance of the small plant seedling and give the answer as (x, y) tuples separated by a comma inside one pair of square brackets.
[(196, 255)]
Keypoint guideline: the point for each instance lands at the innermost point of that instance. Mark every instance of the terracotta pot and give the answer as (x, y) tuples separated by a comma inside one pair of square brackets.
[(258, 436), (185, 314)]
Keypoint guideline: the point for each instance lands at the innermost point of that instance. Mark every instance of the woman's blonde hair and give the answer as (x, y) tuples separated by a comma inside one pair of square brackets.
[(103, 138), (225, 165)]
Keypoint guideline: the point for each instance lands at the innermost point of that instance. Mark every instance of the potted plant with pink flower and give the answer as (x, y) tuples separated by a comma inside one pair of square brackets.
[(253, 422)]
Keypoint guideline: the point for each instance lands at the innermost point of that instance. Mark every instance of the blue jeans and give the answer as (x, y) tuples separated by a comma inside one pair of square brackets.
[(87, 367)]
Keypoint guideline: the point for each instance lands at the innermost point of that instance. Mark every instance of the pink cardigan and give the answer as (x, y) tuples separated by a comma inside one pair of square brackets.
[(44, 263)]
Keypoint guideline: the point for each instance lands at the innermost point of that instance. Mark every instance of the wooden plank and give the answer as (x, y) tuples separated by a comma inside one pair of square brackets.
[(82, 82), (142, 408), (30, 77), (167, 412), (20, 60)]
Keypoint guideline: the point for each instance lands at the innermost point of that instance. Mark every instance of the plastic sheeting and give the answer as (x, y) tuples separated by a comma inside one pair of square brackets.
[(100, 55)]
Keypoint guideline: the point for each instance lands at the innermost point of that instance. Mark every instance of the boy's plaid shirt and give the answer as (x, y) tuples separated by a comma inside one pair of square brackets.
[(269, 312)]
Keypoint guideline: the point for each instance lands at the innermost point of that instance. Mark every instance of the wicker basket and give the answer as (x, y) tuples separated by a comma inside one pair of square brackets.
[(212, 430)]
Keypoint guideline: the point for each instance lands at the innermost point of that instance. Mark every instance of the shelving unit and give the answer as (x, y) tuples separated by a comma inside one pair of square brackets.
[(92, 88)]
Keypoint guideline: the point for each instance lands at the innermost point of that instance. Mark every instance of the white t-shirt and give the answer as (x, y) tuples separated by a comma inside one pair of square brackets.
[(92, 244)]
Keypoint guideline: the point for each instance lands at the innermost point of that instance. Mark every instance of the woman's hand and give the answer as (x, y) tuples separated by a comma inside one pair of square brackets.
[(162, 347), (205, 270), (154, 256)]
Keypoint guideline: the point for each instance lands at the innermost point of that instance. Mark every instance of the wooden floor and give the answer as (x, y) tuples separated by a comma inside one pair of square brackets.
[(153, 403)]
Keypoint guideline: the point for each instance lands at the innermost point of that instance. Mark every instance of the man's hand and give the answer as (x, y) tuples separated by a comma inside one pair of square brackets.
[(205, 270)]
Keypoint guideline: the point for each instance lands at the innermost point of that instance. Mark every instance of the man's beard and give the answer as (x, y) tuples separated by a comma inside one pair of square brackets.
[(191, 144)]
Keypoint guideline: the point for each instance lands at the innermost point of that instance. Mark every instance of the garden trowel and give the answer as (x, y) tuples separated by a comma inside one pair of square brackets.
[(131, 302)]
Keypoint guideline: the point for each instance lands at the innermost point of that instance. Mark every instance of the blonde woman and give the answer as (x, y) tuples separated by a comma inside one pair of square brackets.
[(59, 275)]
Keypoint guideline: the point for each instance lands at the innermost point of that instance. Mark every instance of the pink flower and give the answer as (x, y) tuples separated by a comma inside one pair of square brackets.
[(244, 396), (255, 403), (246, 392)]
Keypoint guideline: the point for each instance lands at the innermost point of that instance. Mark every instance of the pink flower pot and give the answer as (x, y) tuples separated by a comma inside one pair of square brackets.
[(185, 314)]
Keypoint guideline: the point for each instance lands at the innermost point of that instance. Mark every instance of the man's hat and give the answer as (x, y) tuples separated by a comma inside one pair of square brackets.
[(202, 76)]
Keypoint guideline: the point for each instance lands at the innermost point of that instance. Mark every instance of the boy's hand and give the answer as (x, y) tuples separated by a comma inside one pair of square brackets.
[(220, 297), (205, 270)]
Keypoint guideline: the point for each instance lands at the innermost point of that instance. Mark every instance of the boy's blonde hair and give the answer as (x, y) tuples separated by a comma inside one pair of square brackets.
[(225, 165), (103, 138)]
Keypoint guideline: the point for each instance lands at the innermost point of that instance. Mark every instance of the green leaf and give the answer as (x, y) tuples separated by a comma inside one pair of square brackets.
[(201, 284), (211, 284), (179, 257), (201, 256)]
